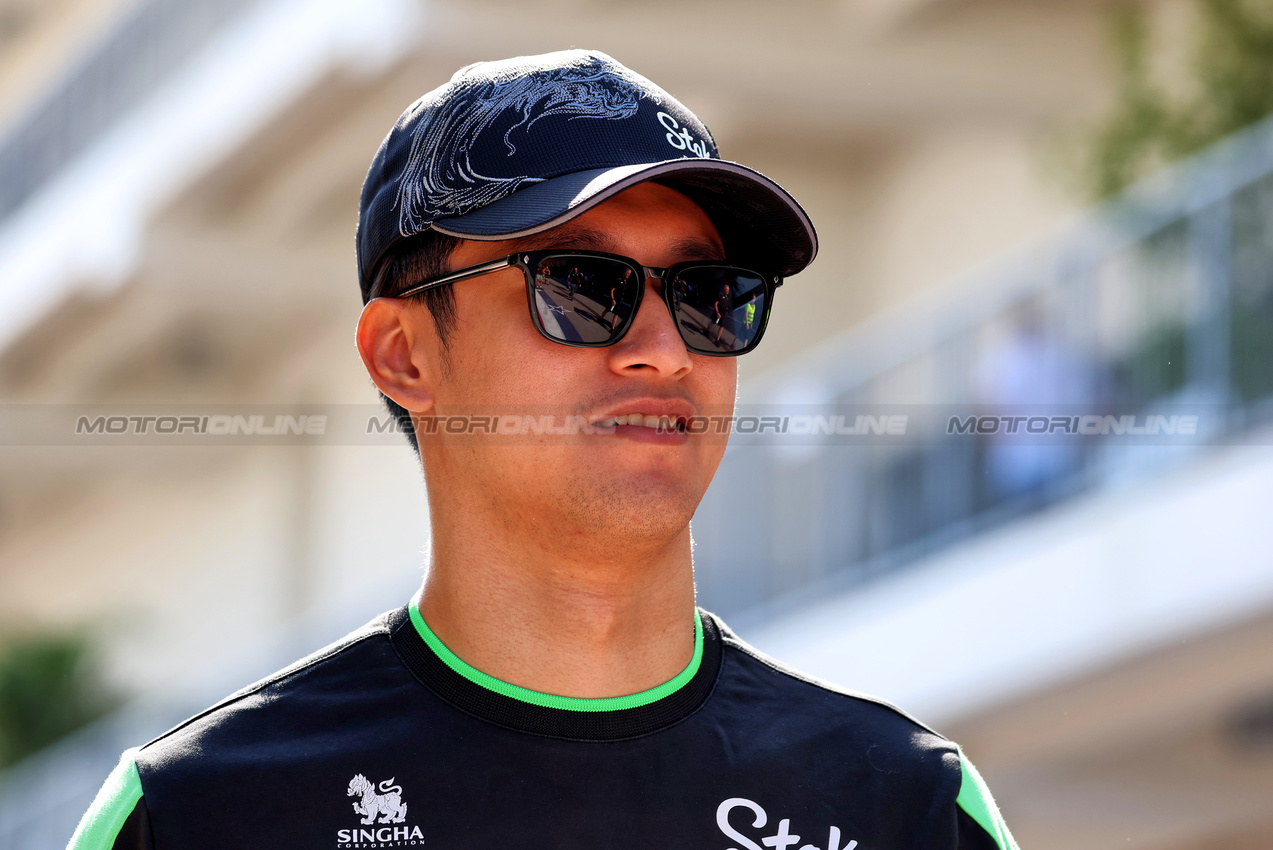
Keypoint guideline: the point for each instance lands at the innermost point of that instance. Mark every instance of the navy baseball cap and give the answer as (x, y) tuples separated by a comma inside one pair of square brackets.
[(514, 147)]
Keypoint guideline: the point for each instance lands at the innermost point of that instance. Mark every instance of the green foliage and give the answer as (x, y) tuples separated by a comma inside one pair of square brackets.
[(48, 688), (1231, 88)]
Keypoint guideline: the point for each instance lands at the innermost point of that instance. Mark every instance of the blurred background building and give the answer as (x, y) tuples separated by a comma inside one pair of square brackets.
[(1093, 621)]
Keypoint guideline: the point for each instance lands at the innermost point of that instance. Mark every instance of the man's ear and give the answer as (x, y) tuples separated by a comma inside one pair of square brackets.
[(394, 341)]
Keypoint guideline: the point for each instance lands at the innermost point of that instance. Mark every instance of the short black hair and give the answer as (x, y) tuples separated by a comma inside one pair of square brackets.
[(411, 261)]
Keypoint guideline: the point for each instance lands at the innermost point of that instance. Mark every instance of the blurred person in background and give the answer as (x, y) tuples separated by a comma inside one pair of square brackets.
[(553, 684), (1027, 373)]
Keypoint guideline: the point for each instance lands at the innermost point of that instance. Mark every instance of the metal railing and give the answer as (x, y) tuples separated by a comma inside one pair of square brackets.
[(1159, 301), (143, 48)]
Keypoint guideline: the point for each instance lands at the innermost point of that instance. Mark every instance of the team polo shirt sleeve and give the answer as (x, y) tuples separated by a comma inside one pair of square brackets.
[(117, 818), (980, 824), (388, 739)]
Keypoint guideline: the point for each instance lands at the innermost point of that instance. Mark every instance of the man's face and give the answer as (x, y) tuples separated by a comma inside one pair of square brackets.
[(632, 482)]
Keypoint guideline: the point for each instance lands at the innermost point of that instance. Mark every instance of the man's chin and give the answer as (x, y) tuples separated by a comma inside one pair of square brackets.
[(638, 508)]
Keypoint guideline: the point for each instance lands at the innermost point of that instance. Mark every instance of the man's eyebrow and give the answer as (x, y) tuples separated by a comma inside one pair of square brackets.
[(697, 248), (592, 239), (580, 238)]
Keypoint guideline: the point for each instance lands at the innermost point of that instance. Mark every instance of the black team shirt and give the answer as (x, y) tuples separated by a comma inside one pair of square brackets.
[(387, 739)]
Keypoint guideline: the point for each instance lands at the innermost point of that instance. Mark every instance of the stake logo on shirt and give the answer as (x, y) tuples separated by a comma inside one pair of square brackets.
[(782, 839), (378, 804)]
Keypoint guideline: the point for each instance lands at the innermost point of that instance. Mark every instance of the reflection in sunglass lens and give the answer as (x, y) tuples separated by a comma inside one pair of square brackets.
[(586, 300), (719, 309)]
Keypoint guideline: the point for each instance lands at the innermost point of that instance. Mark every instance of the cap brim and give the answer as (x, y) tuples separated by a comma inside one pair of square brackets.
[(755, 216)]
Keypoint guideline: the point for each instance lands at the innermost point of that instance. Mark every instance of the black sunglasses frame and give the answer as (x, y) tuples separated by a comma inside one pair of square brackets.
[(528, 261)]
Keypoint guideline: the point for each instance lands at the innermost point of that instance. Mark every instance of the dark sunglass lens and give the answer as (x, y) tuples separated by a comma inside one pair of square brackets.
[(586, 300), (719, 309)]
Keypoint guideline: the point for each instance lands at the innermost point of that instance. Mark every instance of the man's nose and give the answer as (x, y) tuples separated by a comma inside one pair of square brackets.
[(652, 342)]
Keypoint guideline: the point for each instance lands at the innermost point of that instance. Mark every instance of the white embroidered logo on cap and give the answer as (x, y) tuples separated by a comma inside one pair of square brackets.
[(440, 178), (681, 138)]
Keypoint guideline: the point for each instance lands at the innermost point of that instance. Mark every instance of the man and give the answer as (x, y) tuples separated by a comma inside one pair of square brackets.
[(553, 684), (723, 308)]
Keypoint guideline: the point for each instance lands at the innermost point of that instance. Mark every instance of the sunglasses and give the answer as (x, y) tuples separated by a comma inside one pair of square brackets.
[(588, 299)]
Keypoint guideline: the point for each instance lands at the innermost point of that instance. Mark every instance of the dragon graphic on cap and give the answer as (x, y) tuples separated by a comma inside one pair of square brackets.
[(439, 181)]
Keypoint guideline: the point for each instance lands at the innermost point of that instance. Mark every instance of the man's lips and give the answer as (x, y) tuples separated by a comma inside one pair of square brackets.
[(664, 423), (659, 416)]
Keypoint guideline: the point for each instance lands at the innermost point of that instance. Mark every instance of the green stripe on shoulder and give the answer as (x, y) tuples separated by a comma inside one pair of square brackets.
[(975, 799), (110, 809)]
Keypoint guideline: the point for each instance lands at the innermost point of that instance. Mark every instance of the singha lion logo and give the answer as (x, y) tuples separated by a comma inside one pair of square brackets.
[(387, 803)]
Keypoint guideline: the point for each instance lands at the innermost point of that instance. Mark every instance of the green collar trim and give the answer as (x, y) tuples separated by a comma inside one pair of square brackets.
[(477, 677)]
